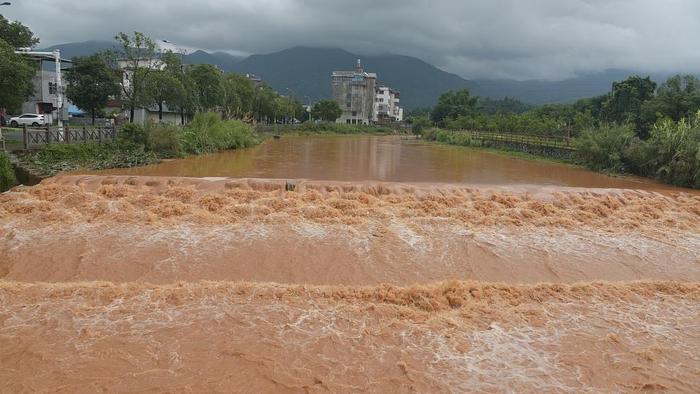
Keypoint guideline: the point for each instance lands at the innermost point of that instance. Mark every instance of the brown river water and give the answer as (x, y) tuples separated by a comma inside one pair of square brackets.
[(382, 158), (393, 266)]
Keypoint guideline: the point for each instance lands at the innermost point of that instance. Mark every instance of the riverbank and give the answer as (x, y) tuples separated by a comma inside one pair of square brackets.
[(140, 145), (669, 155), (121, 283)]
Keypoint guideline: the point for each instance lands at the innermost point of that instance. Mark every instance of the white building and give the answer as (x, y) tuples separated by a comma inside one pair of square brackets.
[(386, 105)]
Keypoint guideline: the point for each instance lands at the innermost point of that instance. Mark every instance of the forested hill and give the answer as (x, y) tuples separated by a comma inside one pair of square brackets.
[(307, 71)]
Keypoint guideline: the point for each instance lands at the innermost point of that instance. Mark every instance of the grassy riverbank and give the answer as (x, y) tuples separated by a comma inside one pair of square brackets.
[(670, 155), (141, 145)]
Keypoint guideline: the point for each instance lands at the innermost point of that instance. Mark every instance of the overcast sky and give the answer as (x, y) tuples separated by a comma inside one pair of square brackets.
[(521, 39)]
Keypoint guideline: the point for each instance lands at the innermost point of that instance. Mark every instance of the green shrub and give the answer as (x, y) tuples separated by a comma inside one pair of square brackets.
[(7, 173), (207, 133), (419, 124), (602, 149), (163, 139), (671, 153), (132, 133)]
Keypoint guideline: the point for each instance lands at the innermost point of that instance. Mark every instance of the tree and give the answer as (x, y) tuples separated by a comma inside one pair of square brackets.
[(187, 101), (626, 101), (16, 73), (327, 110), (678, 98), (238, 96), (16, 34), (209, 90), (90, 83), (452, 105), (164, 87), (138, 54)]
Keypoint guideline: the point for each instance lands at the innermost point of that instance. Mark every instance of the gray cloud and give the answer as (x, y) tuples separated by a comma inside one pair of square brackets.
[(540, 39)]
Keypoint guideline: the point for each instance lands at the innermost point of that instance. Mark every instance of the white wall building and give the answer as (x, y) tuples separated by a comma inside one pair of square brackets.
[(386, 105)]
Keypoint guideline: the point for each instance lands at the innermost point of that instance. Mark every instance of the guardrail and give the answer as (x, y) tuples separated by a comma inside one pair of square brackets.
[(33, 137)]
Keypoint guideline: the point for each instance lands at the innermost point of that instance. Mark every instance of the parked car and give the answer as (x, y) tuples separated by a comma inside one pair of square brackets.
[(27, 119)]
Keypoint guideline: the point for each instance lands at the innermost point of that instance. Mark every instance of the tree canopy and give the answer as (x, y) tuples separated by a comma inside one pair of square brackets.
[(16, 34), (90, 83), (326, 110), (16, 71), (452, 105)]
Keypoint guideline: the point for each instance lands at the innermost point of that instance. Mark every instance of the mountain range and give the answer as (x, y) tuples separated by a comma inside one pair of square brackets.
[(305, 72)]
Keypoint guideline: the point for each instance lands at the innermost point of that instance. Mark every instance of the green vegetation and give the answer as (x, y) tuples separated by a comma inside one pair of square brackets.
[(139, 145), (90, 84), (636, 128), (16, 71), (52, 159), (326, 110), (342, 128), (7, 173)]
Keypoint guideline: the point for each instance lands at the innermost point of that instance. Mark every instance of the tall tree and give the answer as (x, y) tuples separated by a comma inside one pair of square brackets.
[(16, 34), (452, 105), (208, 86), (162, 87), (327, 110), (90, 83), (138, 59), (678, 97), (16, 73), (625, 102), (238, 96)]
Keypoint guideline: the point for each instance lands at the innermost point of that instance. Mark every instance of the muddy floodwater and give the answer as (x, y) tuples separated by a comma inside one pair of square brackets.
[(390, 266), (382, 158)]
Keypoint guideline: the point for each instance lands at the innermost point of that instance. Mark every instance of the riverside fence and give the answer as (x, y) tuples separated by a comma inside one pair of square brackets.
[(556, 147), (28, 138)]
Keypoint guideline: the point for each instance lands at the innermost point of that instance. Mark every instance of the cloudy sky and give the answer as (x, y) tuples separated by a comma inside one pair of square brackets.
[(521, 39)]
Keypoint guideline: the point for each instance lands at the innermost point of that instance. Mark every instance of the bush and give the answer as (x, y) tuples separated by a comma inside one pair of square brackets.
[(7, 173), (419, 124), (602, 149), (163, 139), (207, 133), (670, 154), (132, 133)]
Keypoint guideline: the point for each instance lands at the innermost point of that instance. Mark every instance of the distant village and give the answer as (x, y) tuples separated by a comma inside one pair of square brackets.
[(362, 99)]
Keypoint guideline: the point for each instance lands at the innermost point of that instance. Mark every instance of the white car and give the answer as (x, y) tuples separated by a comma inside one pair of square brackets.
[(27, 119)]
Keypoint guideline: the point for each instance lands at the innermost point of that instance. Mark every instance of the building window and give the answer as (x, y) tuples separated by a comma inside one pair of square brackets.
[(354, 113), (52, 88), (347, 121)]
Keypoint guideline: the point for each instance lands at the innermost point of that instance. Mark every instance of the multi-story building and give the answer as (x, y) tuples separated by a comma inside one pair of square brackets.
[(354, 91), (386, 105)]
